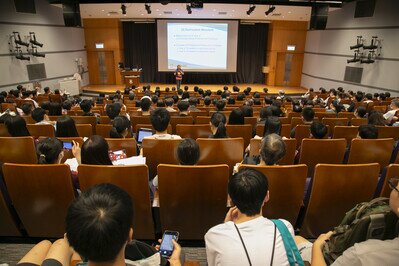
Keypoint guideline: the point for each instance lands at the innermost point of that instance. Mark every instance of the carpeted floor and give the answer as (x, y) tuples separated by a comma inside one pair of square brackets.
[(12, 253)]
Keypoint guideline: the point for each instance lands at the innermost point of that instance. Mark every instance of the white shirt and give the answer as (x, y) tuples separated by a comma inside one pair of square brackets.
[(163, 136), (224, 247), (389, 115)]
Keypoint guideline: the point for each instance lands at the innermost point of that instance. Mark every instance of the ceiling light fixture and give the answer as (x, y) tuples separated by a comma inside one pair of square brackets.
[(270, 10), (251, 9)]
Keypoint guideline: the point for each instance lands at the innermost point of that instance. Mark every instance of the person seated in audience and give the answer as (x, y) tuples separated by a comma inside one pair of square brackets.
[(207, 101), (160, 119), (16, 126), (244, 228), (95, 151), (218, 126), (335, 107), (264, 113), (121, 127), (86, 106), (154, 99), (307, 119), (183, 108), (113, 110), (40, 117), (193, 104), (185, 96), (376, 118), (368, 98), (55, 109), (26, 109), (368, 132), (220, 104), (360, 112), (169, 104), (145, 106), (390, 116), (297, 108), (236, 117), (369, 252), (161, 103), (66, 128), (247, 111), (187, 153), (318, 130), (66, 106), (47, 91)]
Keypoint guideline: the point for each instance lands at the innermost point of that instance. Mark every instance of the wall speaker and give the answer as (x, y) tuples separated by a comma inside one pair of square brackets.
[(71, 15), (318, 19), (364, 8)]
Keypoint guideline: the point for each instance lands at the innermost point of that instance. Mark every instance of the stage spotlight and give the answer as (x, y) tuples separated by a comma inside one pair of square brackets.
[(270, 10), (17, 39), (148, 8), (251, 9), (33, 40), (188, 7), (359, 43), (123, 8)]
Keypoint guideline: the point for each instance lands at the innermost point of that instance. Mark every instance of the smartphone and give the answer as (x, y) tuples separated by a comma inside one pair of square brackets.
[(166, 248), (67, 145), (143, 132)]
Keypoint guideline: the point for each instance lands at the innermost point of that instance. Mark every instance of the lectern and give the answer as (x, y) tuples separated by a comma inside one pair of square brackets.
[(130, 77)]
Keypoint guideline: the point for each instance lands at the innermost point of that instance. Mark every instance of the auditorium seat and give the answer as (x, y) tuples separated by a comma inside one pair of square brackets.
[(293, 114), (4, 131), (84, 130), (285, 130), (381, 108), (315, 151), (226, 113), (290, 150), (103, 130), (192, 199), (193, 131), (28, 119), (286, 188), (8, 106), (321, 115), (392, 172), (371, 151), (284, 120), (134, 120), (336, 189), (194, 114), (8, 225), (17, 150), (92, 120), (221, 151), (134, 180), (41, 195), (388, 132), (345, 132), (301, 132), (68, 153), (240, 131), (348, 115), (203, 120), (182, 120), (138, 126), (358, 121), (127, 144), (105, 120), (251, 120), (41, 130), (159, 151), (55, 98), (296, 121), (333, 122)]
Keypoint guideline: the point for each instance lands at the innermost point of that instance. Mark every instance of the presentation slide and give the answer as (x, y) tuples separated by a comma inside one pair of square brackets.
[(198, 46)]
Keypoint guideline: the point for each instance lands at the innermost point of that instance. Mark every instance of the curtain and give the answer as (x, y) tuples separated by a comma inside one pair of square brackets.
[(140, 48)]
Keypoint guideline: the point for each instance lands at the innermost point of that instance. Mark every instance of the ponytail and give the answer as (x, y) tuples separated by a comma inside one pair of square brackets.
[(48, 151), (219, 120), (42, 159), (221, 131)]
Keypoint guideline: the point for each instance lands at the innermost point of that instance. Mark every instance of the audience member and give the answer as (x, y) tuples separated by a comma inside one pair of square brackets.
[(368, 132), (307, 119), (247, 111), (66, 127), (183, 108), (376, 118), (86, 106), (220, 104), (121, 127), (26, 109), (160, 119), (113, 110), (360, 112), (49, 151), (390, 116), (145, 106), (318, 130), (236, 117), (193, 104), (245, 229), (16, 126), (169, 104), (218, 126), (40, 117), (55, 109), (272, 149), (94, 151)]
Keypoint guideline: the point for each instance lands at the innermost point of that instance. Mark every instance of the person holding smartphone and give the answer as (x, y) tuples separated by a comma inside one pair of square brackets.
[(179, 76)]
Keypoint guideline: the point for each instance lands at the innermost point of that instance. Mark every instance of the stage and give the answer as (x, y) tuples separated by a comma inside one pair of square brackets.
[(109, 89)]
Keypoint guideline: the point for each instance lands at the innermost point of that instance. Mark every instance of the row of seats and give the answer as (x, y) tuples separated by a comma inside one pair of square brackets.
[(192, 198)]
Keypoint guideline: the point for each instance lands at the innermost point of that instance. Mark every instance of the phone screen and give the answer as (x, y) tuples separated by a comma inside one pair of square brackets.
[(166, 247), (67, 145)]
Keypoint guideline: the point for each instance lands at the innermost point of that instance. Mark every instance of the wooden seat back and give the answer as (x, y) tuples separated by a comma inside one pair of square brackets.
[(41, 195), (134, 120), (103, 130), (221, 151), (8, 106), (286, 190), (315, 151), (290, 150), (321, 115), (41, 130), (193, 131), (371, 151), (392, 172), (345, 132), (358, 121), (203, 120), (17, 150), (251, 121), (240, 131), (4, 131), (92, 120), (8, 225), (180, 120), (333, 122), (84, 130), (105, 120), (134, 180), (28, 119), (127, 144), (348, 115), (55, 98), (159, 151), (182, 202), (388, 132), (335, 190), (285, 130)]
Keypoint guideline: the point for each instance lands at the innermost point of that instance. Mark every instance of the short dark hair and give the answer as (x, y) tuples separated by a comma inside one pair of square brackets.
[(247, 190), (26, 108), (16, 126), (66, 127), (38, 114), (188, 152), (113, 110), (207, 100), (55, 109), (67, 105), (272, 126), (318, 130), (361, 111), (220, 104), (95, 151), (154, 99), (183, 106), (146, 104), (376, 118), (236, 117), (119, 125), (86, 105), (185, 95), (368, 132), (169, 101), (98, 222), (160, 118), (308, 114), (48, 150), (272, 149), (193, 101), (247, 110)]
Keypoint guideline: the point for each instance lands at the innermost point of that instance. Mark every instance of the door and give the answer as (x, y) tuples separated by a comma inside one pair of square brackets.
[(289, 69), (101, 68)]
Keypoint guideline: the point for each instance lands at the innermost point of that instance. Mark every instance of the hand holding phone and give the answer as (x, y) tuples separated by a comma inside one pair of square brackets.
[(166, 248), (67, 145)]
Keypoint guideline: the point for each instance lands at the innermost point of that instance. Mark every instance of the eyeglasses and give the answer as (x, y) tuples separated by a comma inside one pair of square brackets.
[(393, 183)]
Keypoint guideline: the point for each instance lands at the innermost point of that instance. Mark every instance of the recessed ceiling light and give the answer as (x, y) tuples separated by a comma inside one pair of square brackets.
[(108, 15), (102, 10), (214, 10), (160, 14), (124, 15), (233, 10), (289, 12), (157, 9), (178, 14), (142, 14)]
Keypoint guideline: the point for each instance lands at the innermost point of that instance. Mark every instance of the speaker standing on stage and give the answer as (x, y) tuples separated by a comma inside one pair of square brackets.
[(179, 76)]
